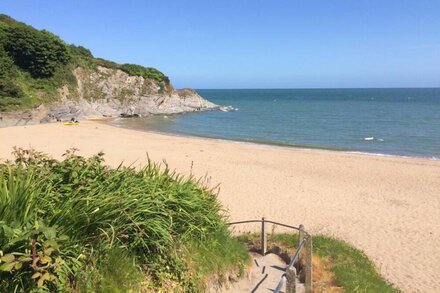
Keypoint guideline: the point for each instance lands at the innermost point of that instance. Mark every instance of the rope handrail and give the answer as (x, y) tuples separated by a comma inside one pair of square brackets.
[(271, 222), (296, 255), (291, 264)]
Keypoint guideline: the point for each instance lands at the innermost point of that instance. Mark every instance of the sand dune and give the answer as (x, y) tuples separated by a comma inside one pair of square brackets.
[(389, 207)]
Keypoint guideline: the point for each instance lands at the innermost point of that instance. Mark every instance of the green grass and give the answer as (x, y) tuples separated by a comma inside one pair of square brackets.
[(114, 272), (65, 225), (221, 254), (352, 269)]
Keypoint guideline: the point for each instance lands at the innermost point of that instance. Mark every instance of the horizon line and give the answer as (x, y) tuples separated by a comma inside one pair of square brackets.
[(314, 88)]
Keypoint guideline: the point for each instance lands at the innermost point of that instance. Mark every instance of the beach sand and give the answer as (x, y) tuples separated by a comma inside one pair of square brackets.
[(387, 206)]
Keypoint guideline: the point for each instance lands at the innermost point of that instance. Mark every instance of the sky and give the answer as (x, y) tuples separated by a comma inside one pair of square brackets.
[(255, 43)]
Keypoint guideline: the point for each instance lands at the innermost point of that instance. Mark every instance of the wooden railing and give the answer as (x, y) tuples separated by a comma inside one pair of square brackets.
[(304, 242)]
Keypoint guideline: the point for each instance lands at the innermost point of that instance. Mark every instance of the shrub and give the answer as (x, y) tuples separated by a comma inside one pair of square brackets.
[(69, 220), (80, 51), (9, 89), (38, 52), (137, 70), (146, 72), (6, 64)]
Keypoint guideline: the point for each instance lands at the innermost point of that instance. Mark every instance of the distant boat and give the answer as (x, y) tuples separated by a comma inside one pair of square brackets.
[(369, 138)]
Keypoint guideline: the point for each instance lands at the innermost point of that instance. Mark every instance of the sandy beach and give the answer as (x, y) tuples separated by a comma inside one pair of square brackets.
[(387, 206)]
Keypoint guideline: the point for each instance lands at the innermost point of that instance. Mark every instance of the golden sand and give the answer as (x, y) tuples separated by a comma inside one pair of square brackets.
[(387, 206)]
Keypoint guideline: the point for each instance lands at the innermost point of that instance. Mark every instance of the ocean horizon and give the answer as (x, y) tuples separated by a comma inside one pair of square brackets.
[(382, 121)]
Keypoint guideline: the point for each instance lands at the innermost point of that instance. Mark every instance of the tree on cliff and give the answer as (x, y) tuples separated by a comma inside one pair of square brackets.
[(38, 52)]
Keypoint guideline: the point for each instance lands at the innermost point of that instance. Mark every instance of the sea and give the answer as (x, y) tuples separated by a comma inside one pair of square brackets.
[(387, 122)]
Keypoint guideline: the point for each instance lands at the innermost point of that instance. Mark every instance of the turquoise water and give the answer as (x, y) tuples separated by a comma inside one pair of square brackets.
[(403, 122)]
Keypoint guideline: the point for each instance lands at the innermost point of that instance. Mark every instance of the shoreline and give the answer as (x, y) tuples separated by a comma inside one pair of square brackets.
[(109, 120), (387, 206)]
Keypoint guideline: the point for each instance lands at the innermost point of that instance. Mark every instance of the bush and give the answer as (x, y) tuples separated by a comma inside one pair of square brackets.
[(6, 64), (38, 52), (146, 72), (137, 70), (9, 89), (64, 222), (80, 51)]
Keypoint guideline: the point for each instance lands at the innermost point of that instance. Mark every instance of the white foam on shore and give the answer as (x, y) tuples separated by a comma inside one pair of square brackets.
[(393, 156), (117, 123)]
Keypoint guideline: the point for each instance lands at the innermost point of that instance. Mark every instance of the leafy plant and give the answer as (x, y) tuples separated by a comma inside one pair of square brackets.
[(38, 52), (6, 63), (160, 222)]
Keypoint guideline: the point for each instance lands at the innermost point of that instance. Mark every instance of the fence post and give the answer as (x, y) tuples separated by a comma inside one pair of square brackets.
[(300, 240), (309, 285), (263, 237), (291, 280)]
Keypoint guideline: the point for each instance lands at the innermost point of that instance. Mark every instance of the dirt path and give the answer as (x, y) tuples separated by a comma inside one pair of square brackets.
[(265, 274)]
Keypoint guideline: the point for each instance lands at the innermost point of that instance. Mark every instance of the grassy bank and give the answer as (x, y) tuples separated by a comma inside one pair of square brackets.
[(78, 226), (337, 266)]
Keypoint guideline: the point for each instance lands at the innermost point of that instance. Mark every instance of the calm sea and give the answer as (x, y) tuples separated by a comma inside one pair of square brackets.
[(404, 122)]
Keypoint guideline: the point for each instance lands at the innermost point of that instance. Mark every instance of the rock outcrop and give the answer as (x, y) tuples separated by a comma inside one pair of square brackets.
[(111, 92)]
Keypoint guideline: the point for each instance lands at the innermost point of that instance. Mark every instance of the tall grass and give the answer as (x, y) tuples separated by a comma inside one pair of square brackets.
[(80, 211)]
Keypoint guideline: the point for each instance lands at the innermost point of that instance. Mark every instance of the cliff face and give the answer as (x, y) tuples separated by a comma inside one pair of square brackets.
[(114, 92), (111, 92)]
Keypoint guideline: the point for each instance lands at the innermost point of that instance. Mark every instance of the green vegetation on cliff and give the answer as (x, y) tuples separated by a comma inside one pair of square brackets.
[(35, 63), (79, 226)]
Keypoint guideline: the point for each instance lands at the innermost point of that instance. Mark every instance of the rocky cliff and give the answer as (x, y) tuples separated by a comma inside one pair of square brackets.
[(110, 92)]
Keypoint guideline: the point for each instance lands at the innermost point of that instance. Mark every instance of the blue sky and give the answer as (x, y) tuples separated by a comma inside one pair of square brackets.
[(255, 44)]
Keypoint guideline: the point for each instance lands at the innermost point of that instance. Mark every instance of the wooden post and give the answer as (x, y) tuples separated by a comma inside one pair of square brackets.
[(309, 285), (263, 237), (300, 240), (291, 280)]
